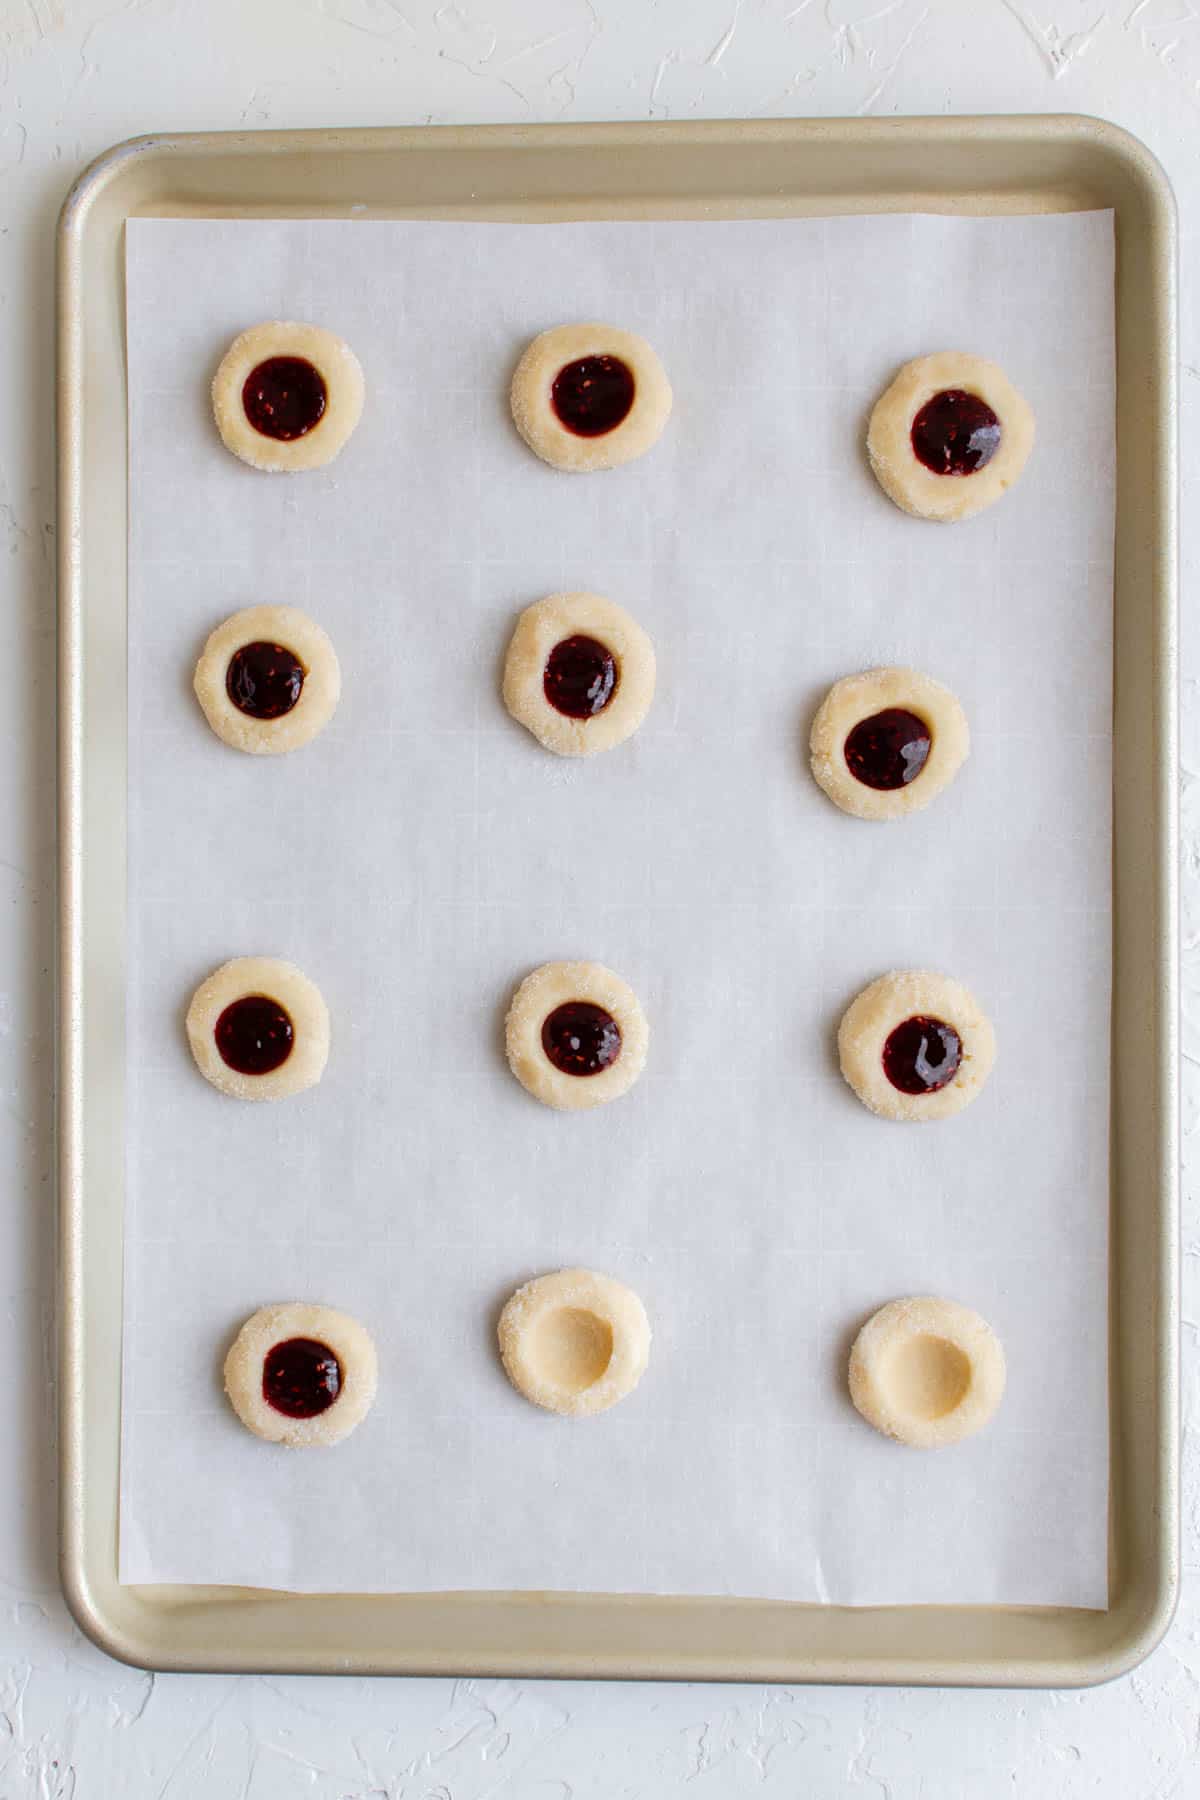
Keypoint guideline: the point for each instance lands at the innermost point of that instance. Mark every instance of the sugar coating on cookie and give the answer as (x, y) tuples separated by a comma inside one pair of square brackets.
[(259, 1029), (949, 436), (916, 1046), (926, 1371), (590, 397), (886, 742), (268, 680), (574, 1342), (301, 1375), (575, 1035), (286, 396), (579, 673)]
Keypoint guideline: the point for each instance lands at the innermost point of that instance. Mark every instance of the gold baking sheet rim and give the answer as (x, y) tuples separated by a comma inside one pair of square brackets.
[(700, 170)]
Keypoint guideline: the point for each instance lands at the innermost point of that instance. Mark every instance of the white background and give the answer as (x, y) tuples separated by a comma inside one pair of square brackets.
[(73, 79), (419, 858)]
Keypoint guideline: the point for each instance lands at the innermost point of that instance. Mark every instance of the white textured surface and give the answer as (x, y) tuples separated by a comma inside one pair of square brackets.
[(764, 561), (76, 77)]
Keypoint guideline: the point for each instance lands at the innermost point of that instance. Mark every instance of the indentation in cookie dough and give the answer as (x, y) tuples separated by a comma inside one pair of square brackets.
[(590, 397), (949, 436), (572, 1347), (259, 1029), (926, 1371), (277, 697), (915, 1045), (926, 1376), (287, 396), (866, 745), (579, 673), (575, 1341), (575, 1035), (301, 1375)]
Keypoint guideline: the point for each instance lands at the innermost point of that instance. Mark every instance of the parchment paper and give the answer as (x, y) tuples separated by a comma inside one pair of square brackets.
[(425, 853)]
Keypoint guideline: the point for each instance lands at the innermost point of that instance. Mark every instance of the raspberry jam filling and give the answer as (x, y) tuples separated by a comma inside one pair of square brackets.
[(264, 680), (254, 1035), (593, 395), (284, 397), (301, 1377), (888, 750), (580, 1038), (922, 1055), (955, 433), (580, 677)]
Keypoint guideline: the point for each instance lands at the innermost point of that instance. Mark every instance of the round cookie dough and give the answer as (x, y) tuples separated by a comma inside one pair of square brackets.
[(262, 988), (238, 654), (576, 1006), (926, 1372), (316, 1399), (589, 653), (899, 1022), (609, 382), (574, 1342), (298, 369), (952, 379), (887, 698)]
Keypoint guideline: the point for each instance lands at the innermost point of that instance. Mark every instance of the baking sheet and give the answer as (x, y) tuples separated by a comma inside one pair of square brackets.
[(424, 854)]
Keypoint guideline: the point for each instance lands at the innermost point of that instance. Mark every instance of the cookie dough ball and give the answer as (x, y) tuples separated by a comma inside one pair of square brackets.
[(287, 396), (590, 397), (268, 680), (579, 673), (886, 742), (574, 1342), (926, 1372), (949, 436), (575, 1035), (916, 1045), (259, 1029), (301, 1375)]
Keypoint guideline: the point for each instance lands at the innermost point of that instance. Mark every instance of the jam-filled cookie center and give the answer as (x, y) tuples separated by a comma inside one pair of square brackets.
[(888, 750), (592, 395), (581, 1038), (301, 1377), (264, 680), (580, 677), (284, 397), (254, 1035), (922, 1055), (955, 433)]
